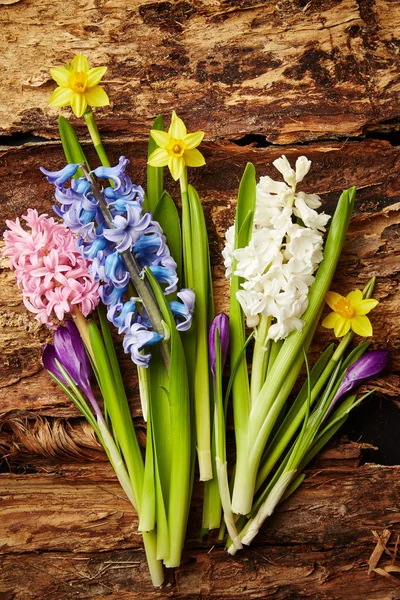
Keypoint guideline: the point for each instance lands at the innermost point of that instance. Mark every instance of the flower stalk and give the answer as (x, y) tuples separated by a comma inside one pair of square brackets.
[(270, 401)]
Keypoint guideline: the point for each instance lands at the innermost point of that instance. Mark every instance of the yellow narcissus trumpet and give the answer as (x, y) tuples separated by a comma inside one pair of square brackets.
[(349, 313), (177, 148), (78, 86)]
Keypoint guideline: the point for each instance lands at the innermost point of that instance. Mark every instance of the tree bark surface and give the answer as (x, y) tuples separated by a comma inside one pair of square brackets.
[(262, 79)]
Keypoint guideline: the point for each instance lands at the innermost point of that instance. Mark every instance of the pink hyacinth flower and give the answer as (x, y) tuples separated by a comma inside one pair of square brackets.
[(51, 272)]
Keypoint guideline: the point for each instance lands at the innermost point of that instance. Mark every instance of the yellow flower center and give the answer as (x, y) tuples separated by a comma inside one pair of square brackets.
[(77, 81), (344, 308), (176, 147)]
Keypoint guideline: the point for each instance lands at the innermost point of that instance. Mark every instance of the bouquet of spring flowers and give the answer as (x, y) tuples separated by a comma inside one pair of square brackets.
[(118, 257)]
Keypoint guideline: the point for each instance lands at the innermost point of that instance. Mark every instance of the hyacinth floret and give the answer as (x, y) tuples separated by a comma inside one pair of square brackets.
[(52, 273), (285, 249), (133, 230)]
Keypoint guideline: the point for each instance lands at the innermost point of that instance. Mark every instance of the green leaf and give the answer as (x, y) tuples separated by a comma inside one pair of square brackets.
[(201, 322), (240, 389), (76, 397), (119, 412), (155, 175), (71, 146), (246, 203), (292, 420), (179, 404), (167, 215)]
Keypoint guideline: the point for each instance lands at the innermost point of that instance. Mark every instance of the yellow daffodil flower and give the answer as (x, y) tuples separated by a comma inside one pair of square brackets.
[(349, 313), (177, 148), (78, 86)]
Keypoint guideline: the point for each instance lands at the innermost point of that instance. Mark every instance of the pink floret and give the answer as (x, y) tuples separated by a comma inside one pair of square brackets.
[(50, 271)]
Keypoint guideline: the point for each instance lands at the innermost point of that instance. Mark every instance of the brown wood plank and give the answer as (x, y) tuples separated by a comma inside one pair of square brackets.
[(290, 71), (315, 546)]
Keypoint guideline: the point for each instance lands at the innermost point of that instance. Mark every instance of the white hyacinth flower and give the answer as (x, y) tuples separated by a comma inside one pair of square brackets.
[(227, 252), (309, 216), (278, 265)]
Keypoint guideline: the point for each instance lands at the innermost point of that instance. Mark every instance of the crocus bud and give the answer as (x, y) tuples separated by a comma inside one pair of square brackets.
[(368, 366), (220, 322), (69, 350)]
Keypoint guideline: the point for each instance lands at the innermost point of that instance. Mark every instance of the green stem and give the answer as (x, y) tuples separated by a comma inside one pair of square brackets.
[(261, 352), (94, 134), (275, 349), (293, 421)]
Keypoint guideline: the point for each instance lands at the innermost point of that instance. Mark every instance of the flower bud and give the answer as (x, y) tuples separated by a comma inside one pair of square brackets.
[(69, 350), (368, 366), (220, 323)]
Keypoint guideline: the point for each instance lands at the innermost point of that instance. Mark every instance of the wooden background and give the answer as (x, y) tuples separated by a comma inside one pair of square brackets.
[(314, 77)]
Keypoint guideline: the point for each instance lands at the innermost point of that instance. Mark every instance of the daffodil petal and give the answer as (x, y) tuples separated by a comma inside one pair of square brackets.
[(161, 138), (177, 129), (95, 75), (158, 158), (176, 165), (330, 320), (331, 298), (80, 63), (365, 306), (194, 158), (78, 104), (355, 297), (97, 96), (361, 325), (60, 97), (60, 76), (191, 140), (342, 326)]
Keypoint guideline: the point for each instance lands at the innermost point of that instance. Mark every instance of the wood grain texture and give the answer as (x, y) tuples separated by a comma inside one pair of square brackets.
[(290, 71), (320, 75), (317, 545)]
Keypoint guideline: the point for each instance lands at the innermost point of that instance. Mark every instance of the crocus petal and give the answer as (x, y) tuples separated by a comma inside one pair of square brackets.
[(361, 325), (72, 355), (97, 96), (48, 358), (220, 323), (80, 63), (176, 165), (79, 348), (161, 138), (365, 306), (366, 367), (193, 139), (78, 104), (95, 75), (60, 97), (194, 158), (60, 76), (331, 298), (158, 158), (177, 128), (330, 320), (342, 326)]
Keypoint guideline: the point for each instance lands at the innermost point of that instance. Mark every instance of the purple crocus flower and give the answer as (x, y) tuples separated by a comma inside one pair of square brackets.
[(220, 323), (69, 350), (368, 366)]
